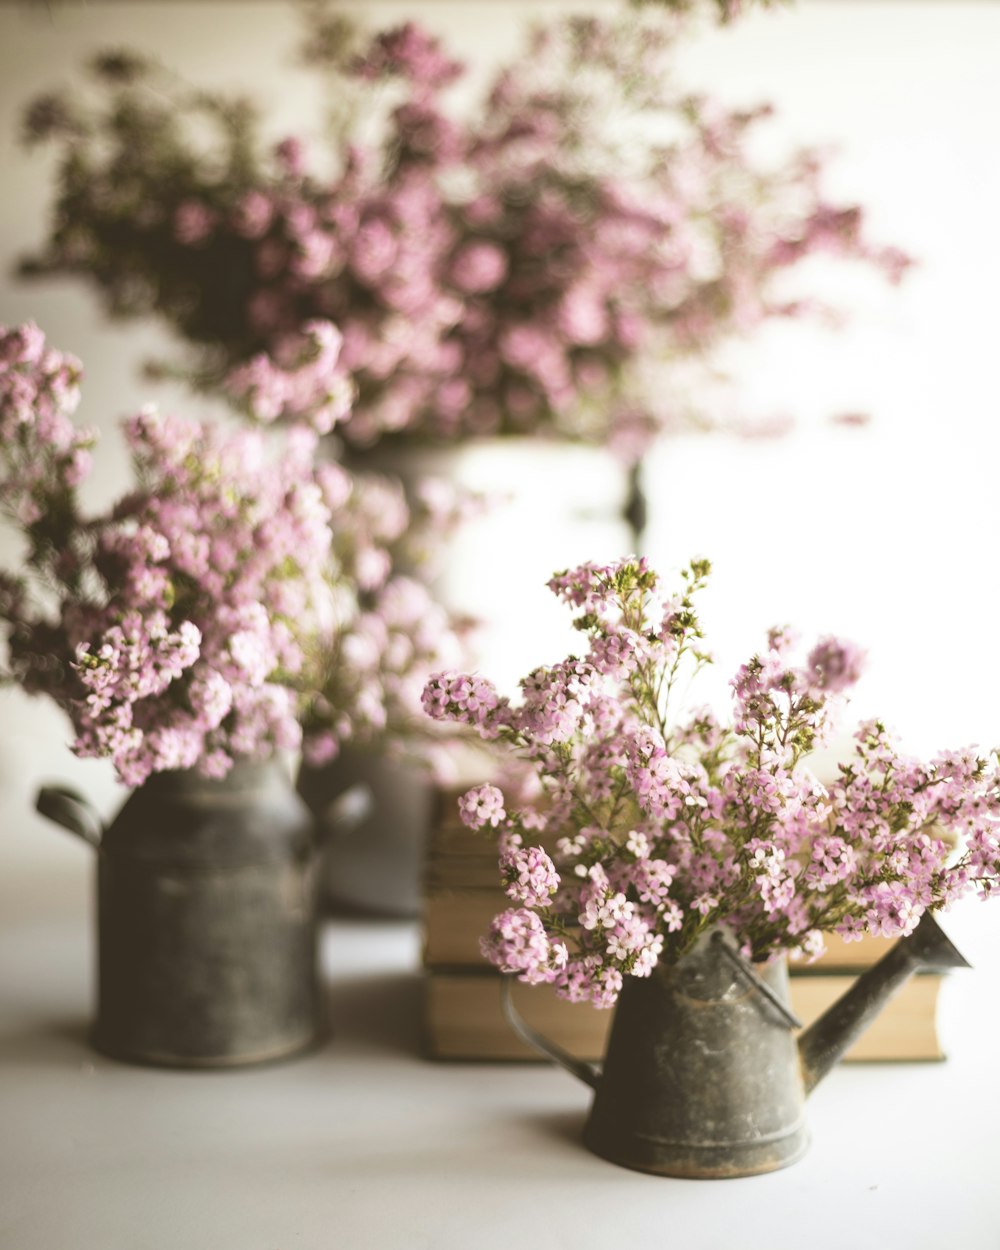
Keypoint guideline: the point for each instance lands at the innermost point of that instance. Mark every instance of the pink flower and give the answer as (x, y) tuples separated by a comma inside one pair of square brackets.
[(529, 875), (834, 664), (410, 52), (193, 222), (478, 267), (583, 317), (312, 386), (253, 215), (517, 943), (467, 699), (291, 156), (482, 806), (374, 250)]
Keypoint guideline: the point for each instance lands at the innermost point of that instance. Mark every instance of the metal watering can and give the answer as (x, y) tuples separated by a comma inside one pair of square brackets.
[(703, 1077), (206, 918)]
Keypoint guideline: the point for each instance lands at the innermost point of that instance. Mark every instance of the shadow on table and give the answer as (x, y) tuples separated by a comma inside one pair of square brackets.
[(380, 1012), (558, 1126), (376, 1012), (504, 1147), (62, 1042)]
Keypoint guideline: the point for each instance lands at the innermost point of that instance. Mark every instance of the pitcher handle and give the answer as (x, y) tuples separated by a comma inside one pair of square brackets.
[(70, 809), (589, 1073), (346, 813)]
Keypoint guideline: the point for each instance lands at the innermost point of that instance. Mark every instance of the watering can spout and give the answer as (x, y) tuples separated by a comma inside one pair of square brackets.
[(825, 1041)]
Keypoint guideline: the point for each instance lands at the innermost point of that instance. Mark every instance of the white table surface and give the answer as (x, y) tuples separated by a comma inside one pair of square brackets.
[(365, 1144)]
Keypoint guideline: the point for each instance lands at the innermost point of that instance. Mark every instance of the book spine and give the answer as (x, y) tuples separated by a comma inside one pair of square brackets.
[(464, 1019)]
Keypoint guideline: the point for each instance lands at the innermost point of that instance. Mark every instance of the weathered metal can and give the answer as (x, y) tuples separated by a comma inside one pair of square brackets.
[(206, 919), (701, 1077), (373, 814)]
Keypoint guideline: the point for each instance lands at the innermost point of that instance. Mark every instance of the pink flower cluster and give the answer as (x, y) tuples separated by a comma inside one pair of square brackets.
[(177, 622), (529, 875), (371, 673), (236, 592), (389, 632), (531, 266), (308, 384), (662, 823), (482, 806), (39, 391)]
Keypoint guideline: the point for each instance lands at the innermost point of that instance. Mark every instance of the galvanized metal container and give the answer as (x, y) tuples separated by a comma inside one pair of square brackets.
[(373, 813), (704, 1077), (701, 1078), (206, 918)]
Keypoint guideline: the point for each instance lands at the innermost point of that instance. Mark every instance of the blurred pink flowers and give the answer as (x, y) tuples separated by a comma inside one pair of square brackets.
[(545, 262), (236, 593)]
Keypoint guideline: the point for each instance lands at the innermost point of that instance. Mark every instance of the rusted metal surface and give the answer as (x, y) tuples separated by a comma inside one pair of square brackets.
[(206, 919)]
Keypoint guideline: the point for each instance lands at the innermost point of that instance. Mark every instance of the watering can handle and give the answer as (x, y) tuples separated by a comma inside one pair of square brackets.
[(71, 810), (587, 1072), (762, 988)]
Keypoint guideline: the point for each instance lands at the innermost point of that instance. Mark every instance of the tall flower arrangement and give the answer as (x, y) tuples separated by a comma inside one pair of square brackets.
[(666, 823), (548, 263), (213, 608)]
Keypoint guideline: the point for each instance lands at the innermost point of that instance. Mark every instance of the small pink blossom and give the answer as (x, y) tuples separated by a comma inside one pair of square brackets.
[(517, 943), (529, 876), (482, 806), (835, 664), (193, 222), (478, 267)]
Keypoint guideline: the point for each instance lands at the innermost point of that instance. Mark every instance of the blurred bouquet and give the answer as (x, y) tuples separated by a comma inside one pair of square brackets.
[(367, 676), (551, 261), (665, 825), (210, 610)]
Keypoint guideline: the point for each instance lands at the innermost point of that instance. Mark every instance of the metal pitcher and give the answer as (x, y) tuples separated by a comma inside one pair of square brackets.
[(206, 918), (703, 1076), (373, 814)]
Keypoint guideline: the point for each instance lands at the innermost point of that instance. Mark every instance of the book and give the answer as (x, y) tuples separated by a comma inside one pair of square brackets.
[(463, 1018)]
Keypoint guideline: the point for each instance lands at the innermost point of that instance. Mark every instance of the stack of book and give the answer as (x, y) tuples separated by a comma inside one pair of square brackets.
[(463, 1018)]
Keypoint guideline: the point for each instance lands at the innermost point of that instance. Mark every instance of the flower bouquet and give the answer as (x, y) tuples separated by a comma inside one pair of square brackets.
[(187, 632), (693, 854), (669, 824), (173, 627), (371, 758), (552, 262), (234, 594)]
